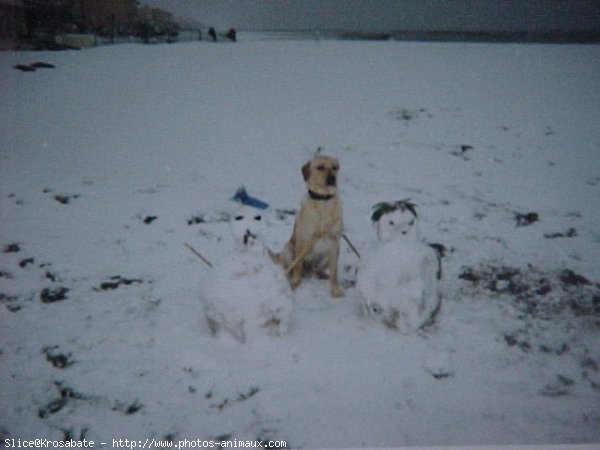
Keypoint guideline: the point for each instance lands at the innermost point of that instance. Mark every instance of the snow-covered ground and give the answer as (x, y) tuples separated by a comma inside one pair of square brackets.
[(119, 155)]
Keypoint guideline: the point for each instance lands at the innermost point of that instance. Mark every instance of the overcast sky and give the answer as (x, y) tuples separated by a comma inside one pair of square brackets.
[(386, 15)]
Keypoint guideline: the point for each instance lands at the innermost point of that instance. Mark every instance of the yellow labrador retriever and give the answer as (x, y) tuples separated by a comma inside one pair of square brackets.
[(314, 245)]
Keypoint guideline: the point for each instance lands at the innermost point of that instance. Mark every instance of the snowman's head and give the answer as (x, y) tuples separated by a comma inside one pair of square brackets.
[(247, 226), (396, 220)]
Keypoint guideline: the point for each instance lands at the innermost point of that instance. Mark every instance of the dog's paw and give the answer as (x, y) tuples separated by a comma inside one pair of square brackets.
[(294, 282), (336, 291), (275, 257)]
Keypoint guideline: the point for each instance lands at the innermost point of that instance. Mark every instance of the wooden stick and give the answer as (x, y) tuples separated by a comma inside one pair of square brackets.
[(351, 246), (197, 253), (309, 246)]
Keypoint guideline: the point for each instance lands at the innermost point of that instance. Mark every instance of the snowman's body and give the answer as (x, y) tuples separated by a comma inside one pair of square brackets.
[(400, 279), (247, 295)]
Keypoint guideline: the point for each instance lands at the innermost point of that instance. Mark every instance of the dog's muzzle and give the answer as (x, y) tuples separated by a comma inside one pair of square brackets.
[(330, 180)]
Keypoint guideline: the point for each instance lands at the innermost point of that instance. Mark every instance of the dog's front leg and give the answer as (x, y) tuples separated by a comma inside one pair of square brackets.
[(334, 253), (295, 276)]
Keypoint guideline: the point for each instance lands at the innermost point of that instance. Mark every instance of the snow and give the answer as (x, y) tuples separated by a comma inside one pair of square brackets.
[(114, 159)]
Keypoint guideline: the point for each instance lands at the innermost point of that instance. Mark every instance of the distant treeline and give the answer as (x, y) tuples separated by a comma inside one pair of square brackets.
[(542, 37), (558, 37), (39, 24)]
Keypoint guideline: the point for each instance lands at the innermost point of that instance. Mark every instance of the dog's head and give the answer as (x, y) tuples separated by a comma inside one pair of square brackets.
[(320, 175)]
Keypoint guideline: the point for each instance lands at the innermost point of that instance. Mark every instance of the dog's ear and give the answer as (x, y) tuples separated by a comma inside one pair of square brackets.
[(306, 171)]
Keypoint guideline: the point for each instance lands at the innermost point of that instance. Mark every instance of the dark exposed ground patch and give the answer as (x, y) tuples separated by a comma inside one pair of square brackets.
[(12, 248), (571, 232), (10, 301), (525, 219), (128, 408), (561, 387), (42, 65), (240, 397), (33, 66), (149, 219), (463, 151), (407, 115), (117, 281), (16, 200), (57, 358), (570, 278), (65, 394), (69, 435), (52, 276), (65, 199), (537, 293), (209, 217), (24, 68), (51, 295), (26, 262), (547, 313)]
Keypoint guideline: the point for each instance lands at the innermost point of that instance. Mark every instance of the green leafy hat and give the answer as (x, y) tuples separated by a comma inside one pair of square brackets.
[(383, 208)]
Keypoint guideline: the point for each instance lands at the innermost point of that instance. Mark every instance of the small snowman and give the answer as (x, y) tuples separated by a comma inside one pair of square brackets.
[(399, 279), (247, 295)]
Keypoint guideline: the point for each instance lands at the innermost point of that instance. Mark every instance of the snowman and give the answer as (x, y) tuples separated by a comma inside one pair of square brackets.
[(399, 280), (246, 295)]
